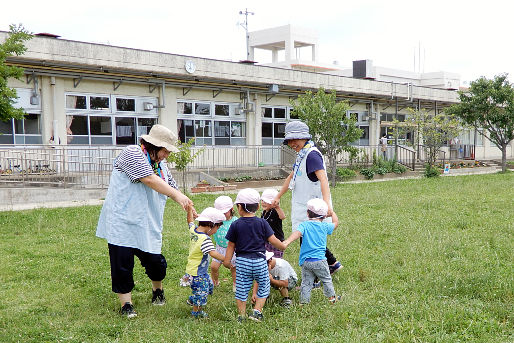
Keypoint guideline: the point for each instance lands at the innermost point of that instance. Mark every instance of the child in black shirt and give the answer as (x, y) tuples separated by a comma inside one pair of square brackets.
[(274, 216)]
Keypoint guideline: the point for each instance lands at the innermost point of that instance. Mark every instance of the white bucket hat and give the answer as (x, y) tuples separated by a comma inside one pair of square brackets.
[(248, 196), (318, 206), (223, 203), (268, 195), (296, 130), (210, 214), (162, 137), (269, 255)]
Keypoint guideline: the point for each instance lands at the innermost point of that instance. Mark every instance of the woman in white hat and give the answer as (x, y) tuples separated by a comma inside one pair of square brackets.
[(131, 219)]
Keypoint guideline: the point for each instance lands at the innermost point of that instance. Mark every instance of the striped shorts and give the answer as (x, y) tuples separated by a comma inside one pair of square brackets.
[(248, 270)]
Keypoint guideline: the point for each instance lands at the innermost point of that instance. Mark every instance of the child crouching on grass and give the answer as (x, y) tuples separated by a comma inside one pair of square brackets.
[(247, 236), (312, 251), (200, 247)]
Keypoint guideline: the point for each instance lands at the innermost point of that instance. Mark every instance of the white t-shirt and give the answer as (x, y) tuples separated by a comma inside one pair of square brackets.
[(383, 141), (283, 270)]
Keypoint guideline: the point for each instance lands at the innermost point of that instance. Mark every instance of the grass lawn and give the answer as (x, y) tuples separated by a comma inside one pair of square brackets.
[(425, 260)]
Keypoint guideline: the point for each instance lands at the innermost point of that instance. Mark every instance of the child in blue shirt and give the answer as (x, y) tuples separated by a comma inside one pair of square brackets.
[(247, 236), (312, 251)]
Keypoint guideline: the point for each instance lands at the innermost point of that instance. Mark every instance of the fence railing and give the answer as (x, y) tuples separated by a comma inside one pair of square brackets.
[(91, 166)]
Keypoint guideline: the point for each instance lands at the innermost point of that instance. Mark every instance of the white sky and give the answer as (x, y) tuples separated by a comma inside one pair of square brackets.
[(471, 38)]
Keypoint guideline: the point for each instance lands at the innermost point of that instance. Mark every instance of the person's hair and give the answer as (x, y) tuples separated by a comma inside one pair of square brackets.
[(311, 215), (208, 224), (150, 148), (249, 208)]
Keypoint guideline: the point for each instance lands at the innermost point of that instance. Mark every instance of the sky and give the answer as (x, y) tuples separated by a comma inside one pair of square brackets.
[(471, 38)]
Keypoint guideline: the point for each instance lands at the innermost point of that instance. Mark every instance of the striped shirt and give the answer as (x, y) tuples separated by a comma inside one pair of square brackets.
[(200, 245), (134, 163)]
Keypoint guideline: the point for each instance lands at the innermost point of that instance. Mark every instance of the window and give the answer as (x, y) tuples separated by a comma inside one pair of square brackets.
[(6, 132), (99, 103), (222, 110), (185, 107), (125, 131), (76, 102), (125, 105), (210, 123), (102, 118), (77, 129), (203, 108), (273, 124), (267, 112), (280, 112)]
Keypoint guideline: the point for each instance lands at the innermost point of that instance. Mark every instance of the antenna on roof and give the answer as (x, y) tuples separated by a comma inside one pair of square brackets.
[(245, 26)]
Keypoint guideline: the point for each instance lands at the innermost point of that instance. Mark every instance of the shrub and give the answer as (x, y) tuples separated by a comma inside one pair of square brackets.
[(242, 178), (368, 173), (381, 170), (431, 171), (345, 174), (399, 168)]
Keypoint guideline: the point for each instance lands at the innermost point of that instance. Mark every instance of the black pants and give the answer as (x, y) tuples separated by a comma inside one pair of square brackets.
[(331, 259), (122, 266)]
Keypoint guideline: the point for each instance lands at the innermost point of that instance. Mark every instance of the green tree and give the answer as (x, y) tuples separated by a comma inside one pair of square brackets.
[(332, 130), (13, 45), (183, 158), (433, 131), (489, 104)]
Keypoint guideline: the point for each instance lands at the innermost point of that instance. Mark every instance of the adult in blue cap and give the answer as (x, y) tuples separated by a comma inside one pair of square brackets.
[(307, 180)]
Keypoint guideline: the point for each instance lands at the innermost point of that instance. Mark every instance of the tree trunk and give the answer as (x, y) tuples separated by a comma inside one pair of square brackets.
[(333, 168), (504, 158), (184, 181)]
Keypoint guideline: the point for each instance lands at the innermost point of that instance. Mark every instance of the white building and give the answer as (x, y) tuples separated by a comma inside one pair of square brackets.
[(79, 93)]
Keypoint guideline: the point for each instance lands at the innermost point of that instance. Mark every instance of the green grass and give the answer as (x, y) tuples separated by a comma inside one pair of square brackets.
[(426, 260)]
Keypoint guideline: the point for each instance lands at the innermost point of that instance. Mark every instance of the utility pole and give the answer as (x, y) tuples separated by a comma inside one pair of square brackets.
[(245, 26)]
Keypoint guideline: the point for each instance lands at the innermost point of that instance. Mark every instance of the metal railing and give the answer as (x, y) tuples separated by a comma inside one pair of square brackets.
[(402, 154), (423, 154), (90, 166)]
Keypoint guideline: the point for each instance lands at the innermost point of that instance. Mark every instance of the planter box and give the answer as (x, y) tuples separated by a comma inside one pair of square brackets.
[(199, 185), (199, 189), (215, 188), (229, 187)]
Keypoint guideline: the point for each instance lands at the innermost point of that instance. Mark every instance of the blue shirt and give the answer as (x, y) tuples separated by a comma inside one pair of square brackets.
[(249, 235), (314, 239)]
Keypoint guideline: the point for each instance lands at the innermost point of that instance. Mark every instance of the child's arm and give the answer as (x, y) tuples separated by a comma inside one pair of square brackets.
[(217, 255), (276, 242), (190, 214), (280, 212), (293, 237), (335, 220), (283, 189), (228, 254)]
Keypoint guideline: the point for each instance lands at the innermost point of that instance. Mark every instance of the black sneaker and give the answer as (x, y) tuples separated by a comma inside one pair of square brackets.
[(256, 315), (286, 302), (158, 297), (128, 310)]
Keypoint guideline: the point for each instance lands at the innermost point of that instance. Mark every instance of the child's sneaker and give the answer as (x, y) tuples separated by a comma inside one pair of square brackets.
[(335, 267), (189, 300), (286, 302), (185, 281), (158, 297), (241, 319), (256, 315), (128, 310), (199, 314), (334, 299)]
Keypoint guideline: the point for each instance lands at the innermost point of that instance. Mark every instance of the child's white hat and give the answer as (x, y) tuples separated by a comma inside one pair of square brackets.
[(268, 195), (210, 214), (269, 255), (223, 203), (248, 196), (318, 206)]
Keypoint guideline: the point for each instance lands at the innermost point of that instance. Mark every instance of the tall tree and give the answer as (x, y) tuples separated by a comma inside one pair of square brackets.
[(489, 104), (332, 130), (13, 45), (433, 131)]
